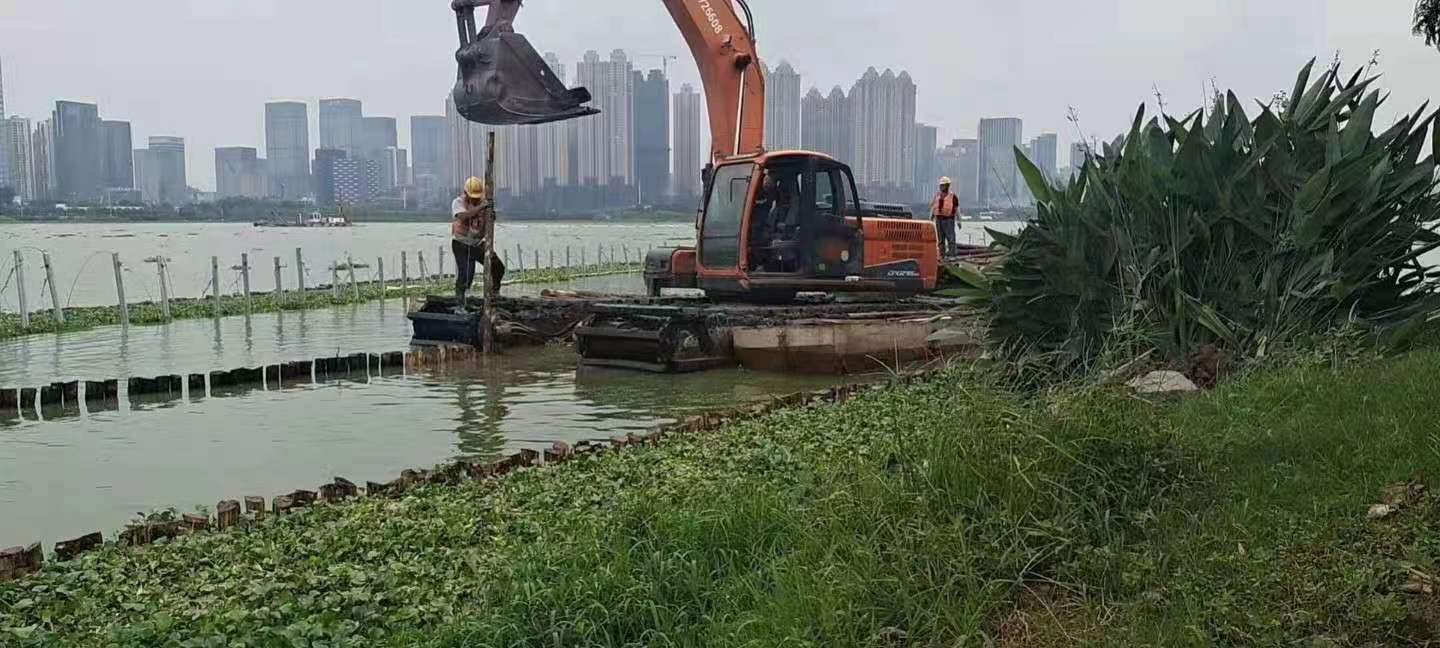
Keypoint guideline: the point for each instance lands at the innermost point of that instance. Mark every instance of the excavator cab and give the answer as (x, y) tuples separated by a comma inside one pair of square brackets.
[(502, 79)]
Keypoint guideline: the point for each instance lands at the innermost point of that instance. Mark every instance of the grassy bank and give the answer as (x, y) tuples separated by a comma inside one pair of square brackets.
[(953, 512), (150, 313)]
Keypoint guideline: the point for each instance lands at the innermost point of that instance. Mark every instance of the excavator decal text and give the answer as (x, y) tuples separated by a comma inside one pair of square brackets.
[(710, 16)]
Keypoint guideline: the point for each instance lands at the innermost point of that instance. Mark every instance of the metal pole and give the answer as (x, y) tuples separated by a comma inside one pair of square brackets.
[(58, 312), (20, 287), (279, 287), (164, 287), (488, 329), (300, 272), (120, 290), (215, 281), (245, 280)]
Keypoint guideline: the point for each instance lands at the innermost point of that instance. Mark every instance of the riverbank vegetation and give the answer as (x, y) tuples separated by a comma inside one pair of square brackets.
[(152, 313), (957, 510)]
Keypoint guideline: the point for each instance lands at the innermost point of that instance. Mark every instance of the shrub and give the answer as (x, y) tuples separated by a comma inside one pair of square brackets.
[(1226, 230)]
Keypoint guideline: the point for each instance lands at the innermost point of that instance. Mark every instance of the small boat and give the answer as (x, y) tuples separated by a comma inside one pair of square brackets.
[(314, 219)]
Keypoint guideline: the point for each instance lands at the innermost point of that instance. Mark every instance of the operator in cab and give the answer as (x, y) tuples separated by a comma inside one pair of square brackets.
[(471, 213), (943, 209)]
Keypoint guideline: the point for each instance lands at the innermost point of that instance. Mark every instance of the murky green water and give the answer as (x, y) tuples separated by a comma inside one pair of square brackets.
[(65, 472)]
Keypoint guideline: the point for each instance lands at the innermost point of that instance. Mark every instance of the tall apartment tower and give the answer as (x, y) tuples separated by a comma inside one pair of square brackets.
[(782, 108), (999, 175), (287, 149), (691, 154)]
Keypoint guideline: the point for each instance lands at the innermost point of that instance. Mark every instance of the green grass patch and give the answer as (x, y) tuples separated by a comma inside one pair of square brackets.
[(956, 511), (152, 313)]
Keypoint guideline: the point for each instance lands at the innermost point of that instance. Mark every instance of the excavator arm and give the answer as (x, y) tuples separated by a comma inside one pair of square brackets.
[(503, 80)]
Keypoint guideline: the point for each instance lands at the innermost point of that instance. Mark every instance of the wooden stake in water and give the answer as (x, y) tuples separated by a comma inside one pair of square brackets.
[(215, 283), (440, 271), (424, 276), (120, 290), (380, 270), (404, 271), (537, 261), (488, 339), (354, 287), (335, 279), (57, 312), (567, 256), (300, 272), (20, 287), (279, 287), (164, 287), (520, 256), (245, 280)]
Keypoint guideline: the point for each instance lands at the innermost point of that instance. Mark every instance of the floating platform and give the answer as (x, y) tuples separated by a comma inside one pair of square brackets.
[(679, 335)]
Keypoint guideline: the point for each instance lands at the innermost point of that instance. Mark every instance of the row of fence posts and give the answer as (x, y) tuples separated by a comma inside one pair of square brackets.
[(625, 255)]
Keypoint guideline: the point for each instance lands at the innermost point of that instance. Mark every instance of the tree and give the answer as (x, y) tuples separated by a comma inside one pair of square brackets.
[(1427, 21)]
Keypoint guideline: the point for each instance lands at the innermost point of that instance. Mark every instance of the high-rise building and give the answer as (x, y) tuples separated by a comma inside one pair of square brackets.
[(782, 108), (1044, 152), (357, 180), (287, 149), (691, 154), (960, 161), (378, 135), (42, 165), (19, 156), (825, 124), (465, 148), (926, 168), (78, 151), (117, 169), (323, 173), (652, 136), (166, 163), (605, 149), (394, 168), (558, 141), (239, 173), (882, 114), (341, 124), (999, 175), (147, 181), (427, 145), (7, 144)]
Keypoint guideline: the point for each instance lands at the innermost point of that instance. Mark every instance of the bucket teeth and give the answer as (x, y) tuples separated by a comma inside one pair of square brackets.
[(503, 81)]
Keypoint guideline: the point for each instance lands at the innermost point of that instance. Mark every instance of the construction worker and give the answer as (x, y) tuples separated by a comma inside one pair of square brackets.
[(472, 212), (943, 209)]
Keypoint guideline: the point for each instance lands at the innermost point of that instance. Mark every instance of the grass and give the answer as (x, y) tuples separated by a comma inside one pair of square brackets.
[(151, 313), (956, 511)]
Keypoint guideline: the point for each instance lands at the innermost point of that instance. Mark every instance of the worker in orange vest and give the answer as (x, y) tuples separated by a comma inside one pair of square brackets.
[(943, 209)]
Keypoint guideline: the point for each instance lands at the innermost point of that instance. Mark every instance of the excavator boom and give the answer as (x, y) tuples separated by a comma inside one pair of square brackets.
[(504, 81)]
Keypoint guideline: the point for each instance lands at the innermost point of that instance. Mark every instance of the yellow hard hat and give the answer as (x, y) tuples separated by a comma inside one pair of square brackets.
[(475, 189), (945, 180)]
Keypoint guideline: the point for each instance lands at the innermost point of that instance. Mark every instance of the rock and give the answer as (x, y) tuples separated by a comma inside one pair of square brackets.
[(1163, 382), (1378, 511), (1398, 495)]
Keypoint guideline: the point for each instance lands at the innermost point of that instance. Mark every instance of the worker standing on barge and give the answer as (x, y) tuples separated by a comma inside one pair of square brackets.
[(471, 212)]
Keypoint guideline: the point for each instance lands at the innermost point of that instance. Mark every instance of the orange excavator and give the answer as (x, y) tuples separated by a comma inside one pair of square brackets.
[(771, 223)]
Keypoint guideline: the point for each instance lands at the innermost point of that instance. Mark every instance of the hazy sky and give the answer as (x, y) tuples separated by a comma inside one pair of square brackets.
[(202, 69)]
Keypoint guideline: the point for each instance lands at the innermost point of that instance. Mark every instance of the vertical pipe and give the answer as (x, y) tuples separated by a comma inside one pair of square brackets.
[(55, 308), (120, 290), (245, 280), (486, 249), (20, 287)]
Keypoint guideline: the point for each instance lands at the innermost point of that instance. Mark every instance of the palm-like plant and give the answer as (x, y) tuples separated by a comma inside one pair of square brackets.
[(1427, 21)]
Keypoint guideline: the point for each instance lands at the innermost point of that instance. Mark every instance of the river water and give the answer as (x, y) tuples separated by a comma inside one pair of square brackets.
[(85, 274), (66, 472)]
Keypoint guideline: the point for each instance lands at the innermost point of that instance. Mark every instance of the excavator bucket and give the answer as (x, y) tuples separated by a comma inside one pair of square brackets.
[(503, 81)]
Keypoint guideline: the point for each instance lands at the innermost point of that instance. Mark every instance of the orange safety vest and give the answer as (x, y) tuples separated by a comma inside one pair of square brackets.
[(944, 205)]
